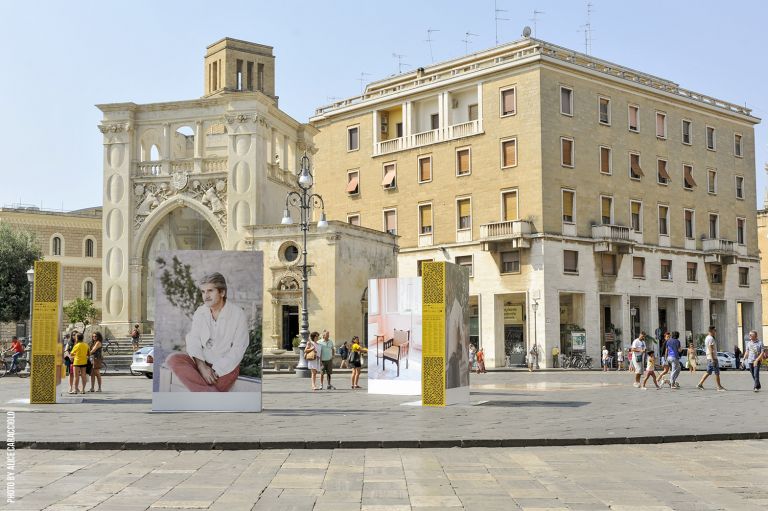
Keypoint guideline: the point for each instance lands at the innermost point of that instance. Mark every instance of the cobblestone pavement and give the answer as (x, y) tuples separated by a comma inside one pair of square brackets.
[(517, 407), (684, 476)]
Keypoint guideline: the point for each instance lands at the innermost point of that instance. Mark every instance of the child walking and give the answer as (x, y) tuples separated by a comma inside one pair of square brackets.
[(650, 371)]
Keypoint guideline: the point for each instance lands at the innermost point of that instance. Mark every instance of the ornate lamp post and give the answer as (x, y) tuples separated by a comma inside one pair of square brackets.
[(304, 201), (534, 308)]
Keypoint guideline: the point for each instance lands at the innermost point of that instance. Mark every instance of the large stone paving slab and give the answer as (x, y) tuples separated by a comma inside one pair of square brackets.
[(509, 409)]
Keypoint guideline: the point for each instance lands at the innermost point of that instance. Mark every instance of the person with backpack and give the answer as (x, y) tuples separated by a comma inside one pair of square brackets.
[(356, 361), (344, 353), (135, 337)]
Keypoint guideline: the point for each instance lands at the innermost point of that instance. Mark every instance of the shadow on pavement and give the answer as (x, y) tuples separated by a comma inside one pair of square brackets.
[(540, 404)]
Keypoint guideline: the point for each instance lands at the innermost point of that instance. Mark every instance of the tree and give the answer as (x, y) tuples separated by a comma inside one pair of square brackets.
[(18, 252), (81, 310)]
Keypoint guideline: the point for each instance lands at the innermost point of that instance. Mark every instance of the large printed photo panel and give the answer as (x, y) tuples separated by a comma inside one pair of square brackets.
[(208, 337), (394, 336)]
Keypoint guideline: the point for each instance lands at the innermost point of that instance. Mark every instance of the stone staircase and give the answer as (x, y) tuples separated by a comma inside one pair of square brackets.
[(120, 361)]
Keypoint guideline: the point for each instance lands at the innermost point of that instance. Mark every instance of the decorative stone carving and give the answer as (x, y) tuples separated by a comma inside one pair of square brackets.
[(179, 180), (114, 127), (211, 193), (288, 283)]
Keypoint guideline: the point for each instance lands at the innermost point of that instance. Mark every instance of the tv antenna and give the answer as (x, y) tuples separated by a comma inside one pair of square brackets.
[(467, 40), (535, 20), (362, 80), (400, 62), (497, 18), (429, 41), (588, 30)]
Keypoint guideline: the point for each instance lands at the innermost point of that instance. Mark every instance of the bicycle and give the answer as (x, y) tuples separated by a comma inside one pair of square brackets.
[(21, 367), (111, 347)]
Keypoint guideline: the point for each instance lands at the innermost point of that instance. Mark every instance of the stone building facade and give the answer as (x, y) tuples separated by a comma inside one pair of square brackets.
[(587, 198), (72, 238)]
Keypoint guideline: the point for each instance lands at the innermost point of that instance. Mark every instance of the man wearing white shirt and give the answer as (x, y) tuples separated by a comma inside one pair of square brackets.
[(710, 346), (638, 353), (216, 342)]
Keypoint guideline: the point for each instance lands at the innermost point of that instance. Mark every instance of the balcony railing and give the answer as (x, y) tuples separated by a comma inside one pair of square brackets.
[(191, 165), (613, 233), (505, 230), (464, 129), (719, 246)]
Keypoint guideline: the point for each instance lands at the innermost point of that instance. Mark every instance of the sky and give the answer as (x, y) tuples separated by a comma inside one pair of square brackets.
[(62, 58)]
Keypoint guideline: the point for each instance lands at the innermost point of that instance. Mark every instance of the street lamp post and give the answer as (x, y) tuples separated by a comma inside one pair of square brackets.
[(304, 201), (31, 280), (534, 308)]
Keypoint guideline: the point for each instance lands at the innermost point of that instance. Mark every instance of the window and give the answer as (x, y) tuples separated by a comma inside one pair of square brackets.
[(712, 181), (260, 77), (419, 265), (638, 267), (88, 290), (509, 153), (666, 269), (510, 261), (739, 187), (634, 118), (463, 214), (463, 162), (604, 105), (689, 223), (743, 276), (390, 176), (89, 251), (691, 272), (662, 176), (434, 121), (425, 169), (509, 210), (472, 112), (661, 125), (686, 132), (714, 220), (465, 261), (608, 263), (716, 273), (569, 198), (606, 210), (508, 102), (239, 74), (425, 218), (390, 221), (635, 171), (353, 182), (605, 160), (399, 130), (249, 77), (353, 138), (56, 248), (663, 220), (740, 230), (688, 182), (353, 219), (737, 145), (711, 138), (570, 261), (636, 215), (566, 101), (566, 152)]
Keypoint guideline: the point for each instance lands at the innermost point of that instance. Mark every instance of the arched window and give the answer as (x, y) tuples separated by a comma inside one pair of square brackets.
[(56, 246), (89, 248), (88, 290)]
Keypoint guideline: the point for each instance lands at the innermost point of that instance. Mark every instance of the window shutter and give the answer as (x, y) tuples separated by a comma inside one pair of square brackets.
[(425, 169), (352, 184), (510, 206), (568, 204), (605, 159), (634, 162), (567, 151), (510, 158), (660, 125), (464, 208), (508, 98), (633, 116), (463, 157), (688, 175), (638, 267), (391, 219), (426, 216), (389, 175), (635, 208), (606, 207)]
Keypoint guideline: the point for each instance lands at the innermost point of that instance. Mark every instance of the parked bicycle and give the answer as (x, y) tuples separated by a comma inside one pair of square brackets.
[(111, 347), (576, 361)]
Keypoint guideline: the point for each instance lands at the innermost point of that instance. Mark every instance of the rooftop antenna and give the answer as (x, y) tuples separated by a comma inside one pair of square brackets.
[(429, 41), (467, 40), (363, 74), (588, 30), (497, 18), (400, 62), (535, 19)]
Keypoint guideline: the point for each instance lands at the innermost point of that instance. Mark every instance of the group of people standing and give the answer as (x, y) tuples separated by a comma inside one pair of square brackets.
[(81, 360), (319, 354), (476, 359)]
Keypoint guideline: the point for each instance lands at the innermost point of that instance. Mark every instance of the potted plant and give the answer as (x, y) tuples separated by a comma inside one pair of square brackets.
[(296, 341)]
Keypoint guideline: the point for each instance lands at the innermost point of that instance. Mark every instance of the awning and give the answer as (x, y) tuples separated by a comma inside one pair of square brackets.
[(689, 178), (389, 177), (352, 184), (635, 165), (663, 169)]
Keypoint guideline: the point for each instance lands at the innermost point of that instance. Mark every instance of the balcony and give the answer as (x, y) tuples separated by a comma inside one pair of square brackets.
[(515, 233), (465, 129), (719, 251), (613, 239), (189, 165)]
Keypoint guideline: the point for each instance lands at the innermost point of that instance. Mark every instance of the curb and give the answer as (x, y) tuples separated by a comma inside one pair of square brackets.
[(382, 444)]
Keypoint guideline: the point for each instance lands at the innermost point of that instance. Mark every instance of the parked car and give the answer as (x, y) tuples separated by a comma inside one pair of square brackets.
[(726, 360), (143, 361), (701, 358)]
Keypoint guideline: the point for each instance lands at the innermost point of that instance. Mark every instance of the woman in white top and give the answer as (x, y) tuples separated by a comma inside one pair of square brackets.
[(313, 364)]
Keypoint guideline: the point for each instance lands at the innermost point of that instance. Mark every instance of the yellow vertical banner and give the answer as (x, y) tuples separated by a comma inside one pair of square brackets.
[(433, 334), (46, 326)]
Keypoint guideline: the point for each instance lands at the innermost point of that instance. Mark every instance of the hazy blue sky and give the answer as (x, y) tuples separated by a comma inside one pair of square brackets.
[(61, 58)]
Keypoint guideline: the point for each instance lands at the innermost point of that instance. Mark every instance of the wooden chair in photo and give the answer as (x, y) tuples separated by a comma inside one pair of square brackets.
[(396, 348)]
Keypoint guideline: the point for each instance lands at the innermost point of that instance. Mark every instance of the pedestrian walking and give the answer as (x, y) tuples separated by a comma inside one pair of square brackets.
[(135, 337), (326, 358), (673, 359), (620, 359), (693, 359), (555, 355), (344, 353), (311, 355), (650, 370), (604, 360), (80, 361), (68, 356), (662, 356), (96, 357), (638, 352), (472, 357), (533, 360), (754, 354), (481, 362), (631, 360), (737, 354), (710, 346), (356, 360)]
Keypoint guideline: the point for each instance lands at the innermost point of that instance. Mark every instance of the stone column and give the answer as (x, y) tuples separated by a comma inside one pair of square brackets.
[(276, 323), (198, 146), (136, 285), (166, 156)]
